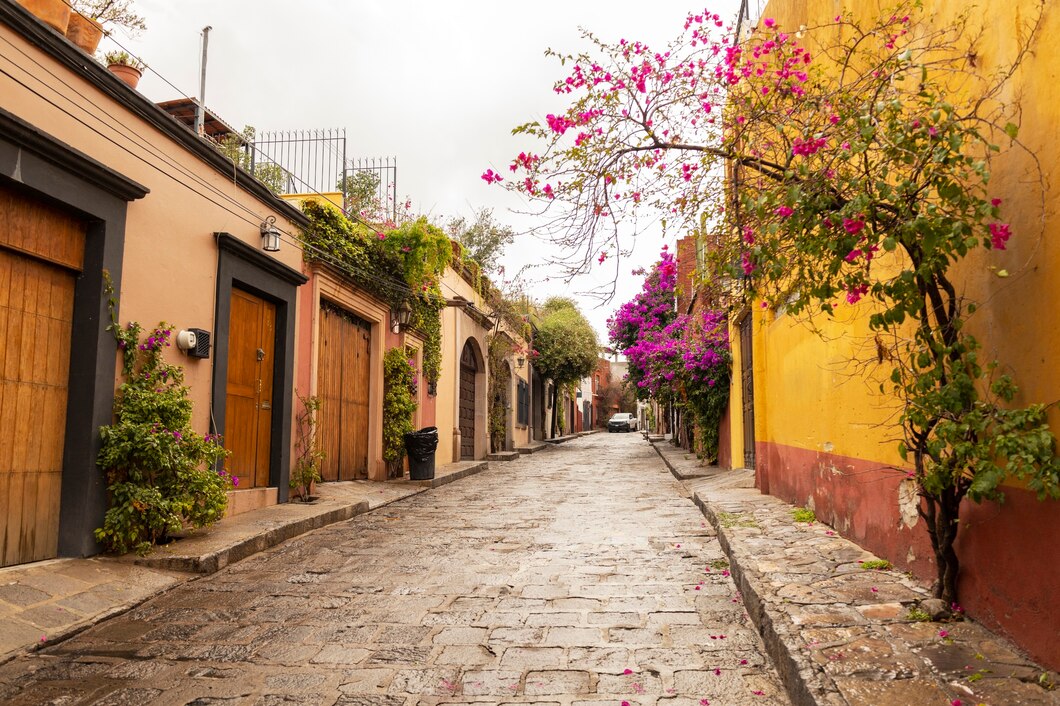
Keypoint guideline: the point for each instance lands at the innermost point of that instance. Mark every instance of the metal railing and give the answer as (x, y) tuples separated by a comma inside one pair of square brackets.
[(315, 161)]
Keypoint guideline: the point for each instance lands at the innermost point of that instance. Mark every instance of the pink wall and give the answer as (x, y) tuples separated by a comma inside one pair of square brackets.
[(1009, 580)]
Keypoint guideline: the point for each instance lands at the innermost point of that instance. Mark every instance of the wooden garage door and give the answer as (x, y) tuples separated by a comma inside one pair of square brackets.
[(342, 385), (248, 398), (41, 251), (467, 402)]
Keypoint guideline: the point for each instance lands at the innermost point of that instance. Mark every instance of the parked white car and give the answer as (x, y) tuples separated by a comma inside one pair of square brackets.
[(623, 421)]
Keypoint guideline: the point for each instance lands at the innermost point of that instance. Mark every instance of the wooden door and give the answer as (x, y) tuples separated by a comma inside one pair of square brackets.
[(41, 251), (248, 394), (748, 388), (468, 368), (343, 378)]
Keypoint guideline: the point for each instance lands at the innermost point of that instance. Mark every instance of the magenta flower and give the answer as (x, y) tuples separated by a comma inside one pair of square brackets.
[(999, 235)]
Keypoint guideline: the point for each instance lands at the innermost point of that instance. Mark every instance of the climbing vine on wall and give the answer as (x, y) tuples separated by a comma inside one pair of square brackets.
[(400, 265)]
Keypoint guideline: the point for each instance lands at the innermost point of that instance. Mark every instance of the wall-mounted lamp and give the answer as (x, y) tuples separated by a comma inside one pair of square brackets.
[(270, 235), (399, 320)]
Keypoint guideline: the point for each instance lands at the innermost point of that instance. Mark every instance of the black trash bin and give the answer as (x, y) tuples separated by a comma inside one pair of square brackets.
[(420, 446)]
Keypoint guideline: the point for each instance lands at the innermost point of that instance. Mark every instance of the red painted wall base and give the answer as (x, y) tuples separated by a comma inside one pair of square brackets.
[(1010, 557)]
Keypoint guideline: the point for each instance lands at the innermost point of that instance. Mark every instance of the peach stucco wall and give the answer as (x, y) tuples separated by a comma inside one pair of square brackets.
[(170, 257)]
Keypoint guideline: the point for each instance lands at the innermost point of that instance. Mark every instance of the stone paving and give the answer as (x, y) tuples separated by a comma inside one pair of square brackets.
[(578, 576), (840, 633)]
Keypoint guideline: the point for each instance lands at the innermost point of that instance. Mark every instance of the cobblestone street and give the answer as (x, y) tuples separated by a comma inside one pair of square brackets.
[(575, 576)]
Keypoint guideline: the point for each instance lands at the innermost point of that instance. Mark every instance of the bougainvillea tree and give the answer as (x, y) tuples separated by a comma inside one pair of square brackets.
[(844, 164), (676, 359)]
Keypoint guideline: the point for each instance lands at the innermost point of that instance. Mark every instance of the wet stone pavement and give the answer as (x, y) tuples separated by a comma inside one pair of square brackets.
[(579, 575)]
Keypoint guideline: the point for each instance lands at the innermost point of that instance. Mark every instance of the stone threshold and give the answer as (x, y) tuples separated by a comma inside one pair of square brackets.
[(503, 456), (531, 448)]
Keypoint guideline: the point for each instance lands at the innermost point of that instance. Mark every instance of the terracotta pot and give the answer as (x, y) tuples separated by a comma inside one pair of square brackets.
[(54, 13), (126, 73), (84, 32)]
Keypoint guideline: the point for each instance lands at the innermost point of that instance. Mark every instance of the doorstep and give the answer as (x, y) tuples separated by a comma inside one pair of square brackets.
[(503, 456)]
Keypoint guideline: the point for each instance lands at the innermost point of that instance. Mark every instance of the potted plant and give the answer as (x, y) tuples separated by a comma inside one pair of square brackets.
[(54, 13), (128, 68), (89, 17)]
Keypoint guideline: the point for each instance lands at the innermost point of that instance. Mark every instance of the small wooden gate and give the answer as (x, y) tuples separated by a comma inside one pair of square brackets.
[(248, 398), (41, 252), (342, 385), (748, 388), (468, 369)]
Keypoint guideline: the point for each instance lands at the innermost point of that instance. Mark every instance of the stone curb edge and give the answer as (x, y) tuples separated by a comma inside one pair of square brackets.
[(805, 685), (215, 561), (242, 550)]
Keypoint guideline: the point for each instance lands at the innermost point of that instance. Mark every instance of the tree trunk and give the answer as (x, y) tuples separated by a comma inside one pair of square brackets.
[(941, 515), (555, 410)]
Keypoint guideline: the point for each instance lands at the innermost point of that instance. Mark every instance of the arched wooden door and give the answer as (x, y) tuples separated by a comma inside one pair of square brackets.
[(468, 369)]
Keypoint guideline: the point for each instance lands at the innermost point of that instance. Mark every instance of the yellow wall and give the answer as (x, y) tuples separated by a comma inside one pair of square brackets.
[(800, 369)]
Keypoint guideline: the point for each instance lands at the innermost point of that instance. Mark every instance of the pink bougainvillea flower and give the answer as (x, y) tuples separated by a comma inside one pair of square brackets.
[(853, 225), (627, 671), (745, 262), (717, 672), (759, 693), (855, 294), (783, 211), (603, 256), (491, 177), (704, 702), (999, 235), (769, 22), (944, 634), (743, 661), (955, 702), (995, 202)]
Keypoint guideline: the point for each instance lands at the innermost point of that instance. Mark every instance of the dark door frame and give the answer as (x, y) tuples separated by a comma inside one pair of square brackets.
[(48, 169), (243, 267)]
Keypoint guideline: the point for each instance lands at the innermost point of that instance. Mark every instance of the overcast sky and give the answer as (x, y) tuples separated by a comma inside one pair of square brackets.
[(437, 85)]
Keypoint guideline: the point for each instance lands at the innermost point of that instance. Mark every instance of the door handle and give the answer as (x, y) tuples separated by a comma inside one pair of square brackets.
[(261, 354), (266, 405)]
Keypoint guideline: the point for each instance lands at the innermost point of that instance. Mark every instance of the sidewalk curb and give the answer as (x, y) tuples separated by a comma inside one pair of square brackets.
[(795, 669), (474, 468), (215, 561), (805, 685), (194, 568)]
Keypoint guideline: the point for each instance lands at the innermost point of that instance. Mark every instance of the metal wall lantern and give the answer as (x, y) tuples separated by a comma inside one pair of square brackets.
[(270, 235), (520, 361), (399, 320)]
